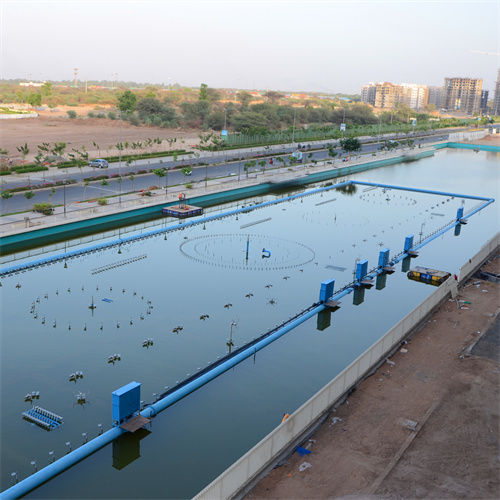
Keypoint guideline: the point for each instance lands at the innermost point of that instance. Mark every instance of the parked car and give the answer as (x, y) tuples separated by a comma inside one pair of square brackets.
[(99, 163)]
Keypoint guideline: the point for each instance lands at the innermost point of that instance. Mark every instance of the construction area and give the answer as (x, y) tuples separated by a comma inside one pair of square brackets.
[(424, 425)]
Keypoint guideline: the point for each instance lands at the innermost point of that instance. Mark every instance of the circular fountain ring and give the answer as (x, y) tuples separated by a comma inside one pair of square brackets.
[(229, 251)]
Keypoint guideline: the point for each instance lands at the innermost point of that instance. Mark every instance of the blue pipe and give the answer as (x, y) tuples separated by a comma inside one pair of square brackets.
[(60, 465), (128, 239), (172, 398), (40, 477), (417, 190), (87, 449)]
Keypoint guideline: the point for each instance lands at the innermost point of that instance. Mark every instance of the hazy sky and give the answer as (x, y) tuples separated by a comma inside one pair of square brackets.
[(317, 45)]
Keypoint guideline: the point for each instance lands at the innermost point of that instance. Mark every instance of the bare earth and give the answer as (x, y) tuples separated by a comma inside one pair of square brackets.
[(454, 451), (83, 131), (489, 140)]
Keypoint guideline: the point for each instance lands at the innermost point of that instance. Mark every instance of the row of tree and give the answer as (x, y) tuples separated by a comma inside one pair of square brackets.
[(209, 113)]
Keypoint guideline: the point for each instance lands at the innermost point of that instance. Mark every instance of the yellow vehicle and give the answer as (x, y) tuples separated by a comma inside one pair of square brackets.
[(427, 275)]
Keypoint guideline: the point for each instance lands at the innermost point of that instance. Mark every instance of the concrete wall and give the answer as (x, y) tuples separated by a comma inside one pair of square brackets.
[(468, 136), (262, 455)]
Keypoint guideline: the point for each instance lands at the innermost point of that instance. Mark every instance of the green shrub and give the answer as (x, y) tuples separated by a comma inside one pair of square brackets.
[(91, 114), (23, 169), (71, 113), (189, 185), (102, 201), (5, 172), (134, 120), (112, 115), (44, 208), (101, 115)]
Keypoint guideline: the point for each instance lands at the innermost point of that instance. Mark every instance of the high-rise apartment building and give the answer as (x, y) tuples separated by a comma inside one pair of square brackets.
[(386, 95), (462, 94), (368, 93), (435, 96), (496, 101), (484, 102), (414, 96)]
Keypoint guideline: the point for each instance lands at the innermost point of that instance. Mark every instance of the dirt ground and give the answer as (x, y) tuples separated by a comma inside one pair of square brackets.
[(490, 140), (365, 450), (83, 131)]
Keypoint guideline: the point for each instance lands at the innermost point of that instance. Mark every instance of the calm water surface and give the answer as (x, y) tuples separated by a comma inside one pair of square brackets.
[(48, 331)]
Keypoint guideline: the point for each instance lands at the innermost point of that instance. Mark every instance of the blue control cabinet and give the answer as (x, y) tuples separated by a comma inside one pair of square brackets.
[(361, 269), (126, 402), (383, 257), (326, 290), (408, 242)]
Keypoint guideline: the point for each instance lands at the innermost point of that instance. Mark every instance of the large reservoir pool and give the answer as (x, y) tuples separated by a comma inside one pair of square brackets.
[(169, 305)]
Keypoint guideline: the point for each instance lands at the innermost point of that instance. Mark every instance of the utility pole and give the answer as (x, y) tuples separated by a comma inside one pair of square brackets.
[(293, 130), (120, 161), (86, 81), (75, 73)]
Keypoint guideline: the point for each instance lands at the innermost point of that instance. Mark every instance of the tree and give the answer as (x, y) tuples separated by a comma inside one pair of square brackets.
[(24, 150), (97, 147), (331, 151), (35, 99), (58, 148), (350, 144), (248, 120), (160, 172), (6, 195), (28, 195), (244, 98), (186, 171), (127, 102), (85, 185), (273, 96), (216, 120), (154, 112), (46, 89), (262, 163), (132, 177), (203, 95)]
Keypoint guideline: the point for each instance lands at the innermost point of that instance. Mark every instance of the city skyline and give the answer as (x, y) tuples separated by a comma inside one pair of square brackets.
[(320, 46)]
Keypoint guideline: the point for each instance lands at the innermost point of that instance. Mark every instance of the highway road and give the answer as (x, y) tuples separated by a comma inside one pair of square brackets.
[(73, 193)]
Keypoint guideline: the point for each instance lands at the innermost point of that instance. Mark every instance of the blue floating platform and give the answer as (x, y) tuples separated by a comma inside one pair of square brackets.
[(182, 211), (43, 418), (107, 300)]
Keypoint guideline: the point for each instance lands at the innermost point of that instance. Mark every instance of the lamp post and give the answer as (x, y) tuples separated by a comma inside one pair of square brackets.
[(293, 129)]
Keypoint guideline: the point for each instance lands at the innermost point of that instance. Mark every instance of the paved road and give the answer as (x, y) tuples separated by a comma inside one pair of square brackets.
[(77, 192)]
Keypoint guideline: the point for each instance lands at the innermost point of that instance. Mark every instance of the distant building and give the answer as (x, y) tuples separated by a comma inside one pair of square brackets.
[(414, 96), (462, 94), (496, 102), (368, 93), (31, 84), (435, 96), (484, 101), (381, 95), (386, 95)]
